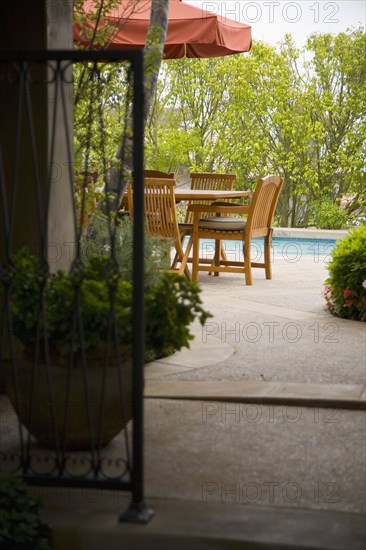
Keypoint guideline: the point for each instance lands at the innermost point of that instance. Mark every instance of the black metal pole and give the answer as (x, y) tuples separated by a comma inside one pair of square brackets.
[(138, 512)]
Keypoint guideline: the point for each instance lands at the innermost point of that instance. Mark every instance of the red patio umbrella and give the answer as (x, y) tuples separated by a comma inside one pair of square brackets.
[(192, 32)]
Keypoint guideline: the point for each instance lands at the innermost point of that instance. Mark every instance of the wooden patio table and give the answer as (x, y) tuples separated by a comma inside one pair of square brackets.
[(207, 194), (200, 194), (186, 194)]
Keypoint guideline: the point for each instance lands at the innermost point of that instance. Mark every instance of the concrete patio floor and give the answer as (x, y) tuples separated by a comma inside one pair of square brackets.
[(275, 331)]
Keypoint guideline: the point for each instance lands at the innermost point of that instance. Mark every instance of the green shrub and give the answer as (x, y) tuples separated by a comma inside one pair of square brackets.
[(172, 303), (345, 290), (171, 306), (20, 525), (328, 215)]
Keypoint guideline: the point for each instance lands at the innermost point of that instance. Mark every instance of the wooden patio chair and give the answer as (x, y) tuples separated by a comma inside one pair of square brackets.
[(223, 226), (161, 217), (205, 180), (147, 174)]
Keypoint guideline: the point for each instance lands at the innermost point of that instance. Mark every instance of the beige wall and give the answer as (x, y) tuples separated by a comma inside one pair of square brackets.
[(37, 24)]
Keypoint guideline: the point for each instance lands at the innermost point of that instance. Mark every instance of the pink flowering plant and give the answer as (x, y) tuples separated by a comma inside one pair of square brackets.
[(345, 288)]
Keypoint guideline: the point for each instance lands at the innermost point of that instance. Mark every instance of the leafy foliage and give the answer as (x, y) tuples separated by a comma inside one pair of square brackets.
[(20, 524), (328, 215), (172, 305), (94, 29), (345, 290), (101, 102), (98, 291), (26, 283)]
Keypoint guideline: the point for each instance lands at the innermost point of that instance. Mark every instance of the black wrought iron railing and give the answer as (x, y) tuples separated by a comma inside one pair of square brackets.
[(71, 328)]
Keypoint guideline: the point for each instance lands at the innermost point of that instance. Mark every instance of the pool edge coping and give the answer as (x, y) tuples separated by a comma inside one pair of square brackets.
[(309, 233)]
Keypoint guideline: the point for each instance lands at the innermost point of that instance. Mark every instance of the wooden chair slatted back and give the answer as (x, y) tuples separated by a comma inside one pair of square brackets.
[(264, 203), (127, 203), (202, 180), (160, 210), (224, 182)]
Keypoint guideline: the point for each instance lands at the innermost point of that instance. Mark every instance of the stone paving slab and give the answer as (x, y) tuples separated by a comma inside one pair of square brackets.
[(324, 395)]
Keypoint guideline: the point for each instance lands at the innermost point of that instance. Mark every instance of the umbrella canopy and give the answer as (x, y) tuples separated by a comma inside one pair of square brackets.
[(192, 32)]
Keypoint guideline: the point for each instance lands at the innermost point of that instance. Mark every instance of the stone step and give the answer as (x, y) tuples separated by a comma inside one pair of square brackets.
[(182, 525), (344, 396)]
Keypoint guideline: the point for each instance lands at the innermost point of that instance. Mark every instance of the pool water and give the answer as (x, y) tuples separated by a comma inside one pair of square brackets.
[(291, 246), (290, 249)]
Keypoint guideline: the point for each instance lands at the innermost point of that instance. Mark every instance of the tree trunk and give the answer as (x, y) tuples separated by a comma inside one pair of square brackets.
[(154, 50)]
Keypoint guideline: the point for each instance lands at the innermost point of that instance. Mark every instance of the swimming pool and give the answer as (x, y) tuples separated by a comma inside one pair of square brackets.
[(289, 248), (294, 246)]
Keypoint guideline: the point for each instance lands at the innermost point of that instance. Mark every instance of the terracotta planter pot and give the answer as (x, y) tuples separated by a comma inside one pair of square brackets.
[(95, 403)]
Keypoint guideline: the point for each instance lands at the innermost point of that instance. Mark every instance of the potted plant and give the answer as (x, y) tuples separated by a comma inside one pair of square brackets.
[(66, 388), (76, 329)]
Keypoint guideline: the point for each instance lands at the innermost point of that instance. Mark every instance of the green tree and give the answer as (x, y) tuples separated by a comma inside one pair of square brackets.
[(337, 99), (271, 123), (192, 126), (299, 113)]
